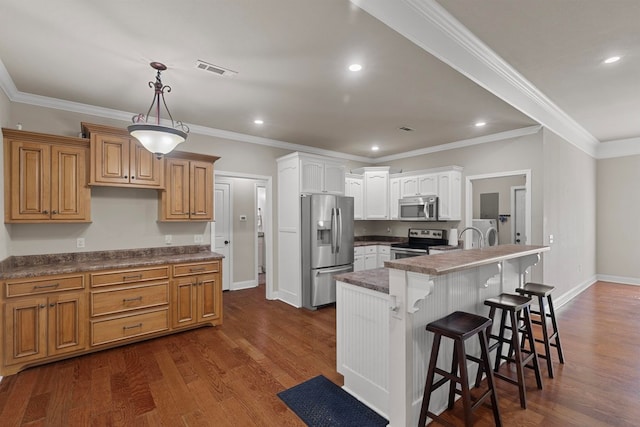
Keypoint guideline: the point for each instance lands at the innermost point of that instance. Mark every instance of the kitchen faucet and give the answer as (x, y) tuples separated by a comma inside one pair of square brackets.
[(480, 241)]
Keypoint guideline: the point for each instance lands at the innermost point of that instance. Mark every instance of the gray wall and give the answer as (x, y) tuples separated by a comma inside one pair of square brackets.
[(4, 122), (125, 218), (502, 186), (569, 214), (618, 204), (244, 232)]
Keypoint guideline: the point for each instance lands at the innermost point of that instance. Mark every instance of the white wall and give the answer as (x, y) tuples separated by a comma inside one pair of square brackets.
[(617, 207)]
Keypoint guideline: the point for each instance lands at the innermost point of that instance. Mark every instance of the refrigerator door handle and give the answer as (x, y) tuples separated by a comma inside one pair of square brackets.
[(334, 230), (339, 232), (333, 270)]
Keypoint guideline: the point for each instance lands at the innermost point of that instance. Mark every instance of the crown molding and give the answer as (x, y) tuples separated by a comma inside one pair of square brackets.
[(516, 133), (431, 27), (618, 148)]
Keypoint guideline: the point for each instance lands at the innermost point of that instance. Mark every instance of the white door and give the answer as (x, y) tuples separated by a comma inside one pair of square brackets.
[(222, 233), (518, 216)]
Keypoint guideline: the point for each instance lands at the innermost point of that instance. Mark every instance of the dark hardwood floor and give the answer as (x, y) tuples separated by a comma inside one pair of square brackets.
[(229, 375)]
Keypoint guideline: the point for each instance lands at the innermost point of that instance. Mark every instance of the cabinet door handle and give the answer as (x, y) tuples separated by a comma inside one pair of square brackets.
[(139, 325), (126, 300), (42, 305), (196, 269), (53, 304), (126, 176), (46, 212), (133, 177), (135, 276), (52, 285), (54, 212)]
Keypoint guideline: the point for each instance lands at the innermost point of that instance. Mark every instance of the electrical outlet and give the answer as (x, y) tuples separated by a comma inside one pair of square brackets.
[(197, 238), (80, 242), (167, 239), (550, 238)]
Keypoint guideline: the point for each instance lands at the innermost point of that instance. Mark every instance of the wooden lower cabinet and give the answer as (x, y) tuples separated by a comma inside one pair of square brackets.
[(196, 294), (42, 327), (53, 317)]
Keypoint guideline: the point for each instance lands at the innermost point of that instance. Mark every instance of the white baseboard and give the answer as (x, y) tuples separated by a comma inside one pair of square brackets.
[(574, 292), (235, 286), (619, 279)]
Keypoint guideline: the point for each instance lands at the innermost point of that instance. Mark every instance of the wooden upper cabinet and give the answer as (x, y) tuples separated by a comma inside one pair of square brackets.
[(118, 160), (45, 178), (189, 188)]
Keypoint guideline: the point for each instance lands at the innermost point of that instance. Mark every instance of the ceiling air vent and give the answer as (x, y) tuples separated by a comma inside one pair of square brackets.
[(225, 72), (405, 128)]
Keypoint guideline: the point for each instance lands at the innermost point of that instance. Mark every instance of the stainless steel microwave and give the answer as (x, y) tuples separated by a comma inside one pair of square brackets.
[(425, 208)]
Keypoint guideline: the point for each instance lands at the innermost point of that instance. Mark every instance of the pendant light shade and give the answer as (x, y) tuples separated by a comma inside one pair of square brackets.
[(155, 137)]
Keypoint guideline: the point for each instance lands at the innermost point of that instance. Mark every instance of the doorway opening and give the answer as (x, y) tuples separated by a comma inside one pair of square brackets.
[(243, 220), (512, 218)]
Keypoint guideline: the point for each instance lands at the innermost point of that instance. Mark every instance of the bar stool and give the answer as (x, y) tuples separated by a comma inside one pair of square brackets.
[(544, 291), (517, 307), (459, 326)]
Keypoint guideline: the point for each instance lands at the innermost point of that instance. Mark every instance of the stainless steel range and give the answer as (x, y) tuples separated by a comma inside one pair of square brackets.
[(420, 240)]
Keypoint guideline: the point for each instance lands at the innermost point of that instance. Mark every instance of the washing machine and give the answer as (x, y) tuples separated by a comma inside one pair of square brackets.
[(489, 230)]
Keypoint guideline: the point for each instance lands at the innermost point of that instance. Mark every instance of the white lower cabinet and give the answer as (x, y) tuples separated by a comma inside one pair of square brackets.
[(358, 258), (370, 256), (384, 254)]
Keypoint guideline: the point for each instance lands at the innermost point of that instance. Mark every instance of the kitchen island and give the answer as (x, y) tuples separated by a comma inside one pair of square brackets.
[(383, 348)]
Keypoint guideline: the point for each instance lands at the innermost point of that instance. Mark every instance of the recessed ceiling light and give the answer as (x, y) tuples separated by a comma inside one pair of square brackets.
[(355, 67), (612, 60), (258, 121), (480, 124), (375, 148)]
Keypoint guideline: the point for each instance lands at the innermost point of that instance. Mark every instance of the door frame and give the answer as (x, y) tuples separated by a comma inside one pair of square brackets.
[(222, 180), (513, 190), (469, 196), (267, 226)]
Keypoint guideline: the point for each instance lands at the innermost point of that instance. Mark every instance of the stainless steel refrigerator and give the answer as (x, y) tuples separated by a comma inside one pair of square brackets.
[(327, 246)]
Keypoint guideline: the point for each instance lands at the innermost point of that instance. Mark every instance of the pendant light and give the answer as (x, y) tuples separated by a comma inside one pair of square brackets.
[(152, 135)]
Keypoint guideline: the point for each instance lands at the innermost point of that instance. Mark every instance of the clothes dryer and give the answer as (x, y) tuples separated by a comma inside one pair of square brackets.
[(489, 230)]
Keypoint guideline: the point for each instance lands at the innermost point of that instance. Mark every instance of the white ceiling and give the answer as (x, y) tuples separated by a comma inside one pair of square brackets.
[(292, 56)]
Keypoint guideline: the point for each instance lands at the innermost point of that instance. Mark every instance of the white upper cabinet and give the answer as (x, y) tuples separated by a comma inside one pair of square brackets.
[(450, 195), (419, 185), (394, 196), (319, 175), (354, 187), (376, 193)]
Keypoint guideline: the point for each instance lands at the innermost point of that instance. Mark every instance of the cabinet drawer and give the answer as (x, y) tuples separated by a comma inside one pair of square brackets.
[(358, 250), (120, 277), (196, 268), (130, 326), (127, 299), (41, 285), (371, 249), (384, 249)]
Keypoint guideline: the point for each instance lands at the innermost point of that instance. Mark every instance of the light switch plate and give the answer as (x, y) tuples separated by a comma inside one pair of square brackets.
[(80, 242), (168, 238), (197, 238)]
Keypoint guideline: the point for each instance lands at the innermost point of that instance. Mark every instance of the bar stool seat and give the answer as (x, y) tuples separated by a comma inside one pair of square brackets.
[(459, 326), (517, 308), (543, 292)]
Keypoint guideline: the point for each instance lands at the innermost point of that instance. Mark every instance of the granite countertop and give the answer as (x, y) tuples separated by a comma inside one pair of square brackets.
[(16, 267), (376, 279), (377, 240), (444, 263)]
